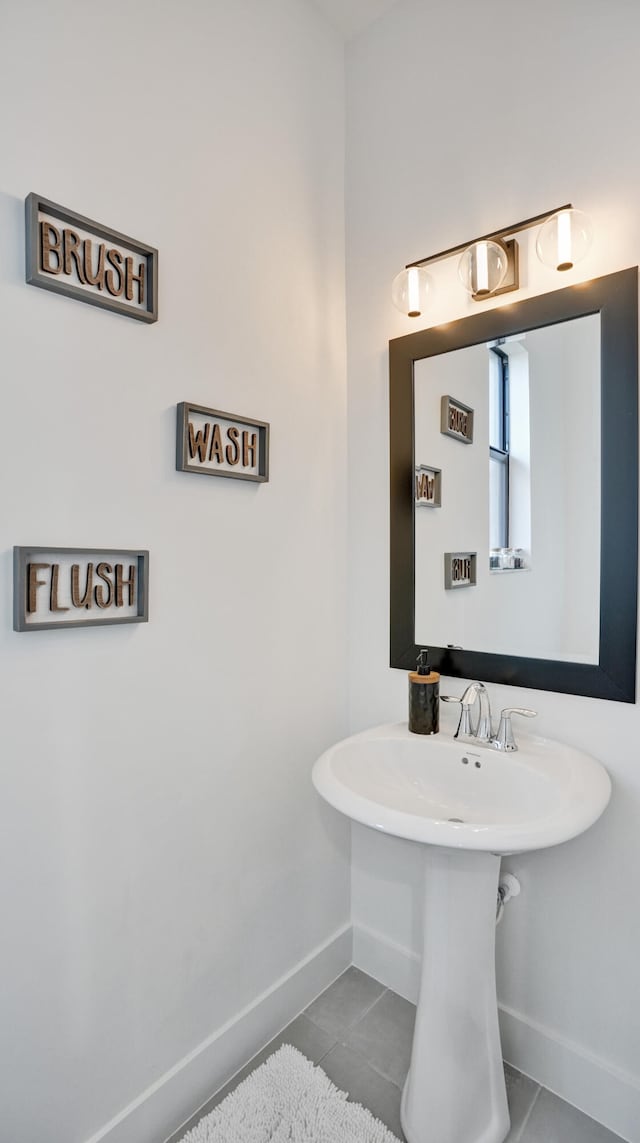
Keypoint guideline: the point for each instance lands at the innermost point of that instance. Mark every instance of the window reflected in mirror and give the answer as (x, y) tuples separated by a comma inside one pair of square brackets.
[(509, 455)]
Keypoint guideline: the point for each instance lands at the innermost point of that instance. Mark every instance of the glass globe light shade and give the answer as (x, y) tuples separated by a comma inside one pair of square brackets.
[(409, 290), (564, 239), (483, 268)]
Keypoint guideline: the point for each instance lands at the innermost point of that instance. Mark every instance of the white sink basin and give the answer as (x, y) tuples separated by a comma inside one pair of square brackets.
[(413, 785), (470, 804)]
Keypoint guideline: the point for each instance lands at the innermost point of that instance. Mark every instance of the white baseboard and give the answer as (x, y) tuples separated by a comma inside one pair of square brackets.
[(393, 965), (592, 1084), (601, 1090), (169, 1102), (597, 1087)]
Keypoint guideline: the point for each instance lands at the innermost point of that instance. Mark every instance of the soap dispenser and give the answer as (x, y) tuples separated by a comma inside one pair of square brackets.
[(424, 697)]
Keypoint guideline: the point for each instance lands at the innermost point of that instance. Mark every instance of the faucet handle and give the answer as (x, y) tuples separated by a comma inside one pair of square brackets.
[(464, 725), (504, 739)]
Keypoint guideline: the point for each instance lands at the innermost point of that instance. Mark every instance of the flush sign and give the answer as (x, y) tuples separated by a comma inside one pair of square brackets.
[(73, 255), (460, 569), (221, 444), (456, 420), (79, 587)]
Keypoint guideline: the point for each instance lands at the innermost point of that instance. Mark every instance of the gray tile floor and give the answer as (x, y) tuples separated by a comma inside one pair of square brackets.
[(360, 1033)]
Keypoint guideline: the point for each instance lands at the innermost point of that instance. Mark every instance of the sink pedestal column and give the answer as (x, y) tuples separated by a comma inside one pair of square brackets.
[(455, 1091)]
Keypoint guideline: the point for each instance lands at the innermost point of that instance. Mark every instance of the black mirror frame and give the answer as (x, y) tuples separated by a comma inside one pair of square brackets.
[(615, 298)]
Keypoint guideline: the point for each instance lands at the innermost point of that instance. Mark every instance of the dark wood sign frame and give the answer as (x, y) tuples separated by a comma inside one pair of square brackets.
[(446, 404), (36, 276), (185, 464), (450, 583), (436, 473), (23, 556)]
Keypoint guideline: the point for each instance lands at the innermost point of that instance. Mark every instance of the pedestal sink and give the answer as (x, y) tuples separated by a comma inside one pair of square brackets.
[(469, 804)]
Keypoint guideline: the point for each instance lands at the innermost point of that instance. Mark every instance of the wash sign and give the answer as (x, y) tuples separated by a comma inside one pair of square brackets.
[(428, 486), (221, 444)]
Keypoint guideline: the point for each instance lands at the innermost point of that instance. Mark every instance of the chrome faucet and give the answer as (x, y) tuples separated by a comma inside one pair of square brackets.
[(504, 739), (483, 732)]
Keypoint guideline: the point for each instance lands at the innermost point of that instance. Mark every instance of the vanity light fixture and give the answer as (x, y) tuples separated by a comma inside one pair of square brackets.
[(564, 239), (483, 268), (489, 265), (409, 290)]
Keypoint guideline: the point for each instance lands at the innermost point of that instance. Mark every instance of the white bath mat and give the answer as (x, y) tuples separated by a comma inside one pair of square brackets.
[(288, 1100)]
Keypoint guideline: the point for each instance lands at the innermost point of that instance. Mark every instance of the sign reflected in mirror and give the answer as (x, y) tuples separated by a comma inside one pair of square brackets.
[(428, 486), (546, 494), (460, 569), (456, 420)]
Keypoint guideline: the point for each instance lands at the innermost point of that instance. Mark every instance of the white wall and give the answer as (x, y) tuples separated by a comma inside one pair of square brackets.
[(164, 857), (442, 145)]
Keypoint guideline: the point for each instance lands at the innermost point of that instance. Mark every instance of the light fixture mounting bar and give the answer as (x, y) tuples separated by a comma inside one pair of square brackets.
[(503, 232)]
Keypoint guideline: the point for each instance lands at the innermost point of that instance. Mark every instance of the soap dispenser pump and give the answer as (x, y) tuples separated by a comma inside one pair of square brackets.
[(424, 697)]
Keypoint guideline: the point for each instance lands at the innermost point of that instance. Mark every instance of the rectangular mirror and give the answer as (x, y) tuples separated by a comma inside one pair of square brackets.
[(514, 492), (525, 496)]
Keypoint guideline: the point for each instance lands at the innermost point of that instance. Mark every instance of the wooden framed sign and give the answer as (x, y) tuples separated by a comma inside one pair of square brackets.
[(456, 420), (75, 256), (428, 486), (460, 569), (79, 587), (221, 444)]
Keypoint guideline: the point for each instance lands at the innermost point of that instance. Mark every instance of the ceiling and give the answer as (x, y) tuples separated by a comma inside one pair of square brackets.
[(352, 16)]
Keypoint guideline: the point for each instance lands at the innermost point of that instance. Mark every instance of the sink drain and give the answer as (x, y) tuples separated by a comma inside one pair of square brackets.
[(460, 820)]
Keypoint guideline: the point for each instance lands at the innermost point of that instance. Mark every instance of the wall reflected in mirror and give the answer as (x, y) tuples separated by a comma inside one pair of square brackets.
[(524, 495)]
